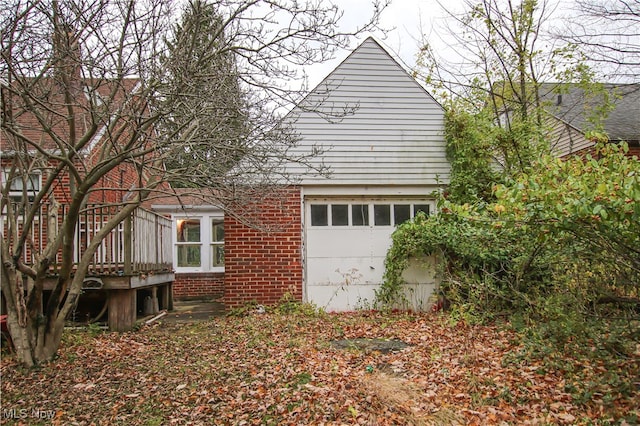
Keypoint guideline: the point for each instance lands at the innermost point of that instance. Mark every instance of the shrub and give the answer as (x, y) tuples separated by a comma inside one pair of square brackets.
[(552, 244)]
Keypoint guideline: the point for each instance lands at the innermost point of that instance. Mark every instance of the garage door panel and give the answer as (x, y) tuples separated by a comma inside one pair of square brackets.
[(341, 298), (339, 270), (337, 254), (331, 242)]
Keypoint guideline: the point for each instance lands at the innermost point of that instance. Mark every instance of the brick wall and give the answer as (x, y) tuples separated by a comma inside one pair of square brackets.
[(263, 266), (198, 286), (634, 149)]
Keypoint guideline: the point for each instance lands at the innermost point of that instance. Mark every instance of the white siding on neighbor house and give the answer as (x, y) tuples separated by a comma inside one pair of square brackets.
[(566, 139), (392, 132)]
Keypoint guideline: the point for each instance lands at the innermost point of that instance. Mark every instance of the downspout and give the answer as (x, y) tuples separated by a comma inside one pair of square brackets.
[(303, 248)]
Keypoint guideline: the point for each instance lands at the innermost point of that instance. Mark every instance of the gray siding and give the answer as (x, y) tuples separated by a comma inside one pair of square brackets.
[(377, 125), (565, 139)]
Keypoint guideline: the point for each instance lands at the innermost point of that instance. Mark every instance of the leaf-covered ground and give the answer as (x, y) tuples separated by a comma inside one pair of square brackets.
[(284, 369)]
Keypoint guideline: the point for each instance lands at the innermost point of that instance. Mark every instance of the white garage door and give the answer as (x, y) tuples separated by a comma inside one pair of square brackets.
[(346, 241)]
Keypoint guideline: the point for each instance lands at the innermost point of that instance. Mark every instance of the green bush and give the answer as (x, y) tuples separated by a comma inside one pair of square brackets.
[(551, 245)]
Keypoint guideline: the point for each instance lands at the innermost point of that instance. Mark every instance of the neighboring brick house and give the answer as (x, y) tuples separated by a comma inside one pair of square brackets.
[(114, 185), (128, 265), (386, 155), (572, 109)]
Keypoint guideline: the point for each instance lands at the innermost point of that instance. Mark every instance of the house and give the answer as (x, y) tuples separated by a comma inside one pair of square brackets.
[(575, 111), (128, 267), (382, 138)]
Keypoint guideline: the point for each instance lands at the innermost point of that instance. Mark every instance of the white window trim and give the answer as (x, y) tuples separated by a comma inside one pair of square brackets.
[(213, 244), (18, 194), (206, 243)]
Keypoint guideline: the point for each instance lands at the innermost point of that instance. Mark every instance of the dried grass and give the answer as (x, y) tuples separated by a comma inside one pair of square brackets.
[(395, 394)]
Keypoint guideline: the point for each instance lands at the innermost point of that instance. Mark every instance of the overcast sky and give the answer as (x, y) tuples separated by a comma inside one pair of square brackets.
[(406, 20)]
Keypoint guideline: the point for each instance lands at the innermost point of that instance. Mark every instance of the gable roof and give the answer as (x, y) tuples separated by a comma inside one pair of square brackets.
[(95, 101), (375, 123), (570, 104)]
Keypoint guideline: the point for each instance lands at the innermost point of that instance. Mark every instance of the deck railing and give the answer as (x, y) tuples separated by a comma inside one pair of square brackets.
[(152, 246), (140, 244)]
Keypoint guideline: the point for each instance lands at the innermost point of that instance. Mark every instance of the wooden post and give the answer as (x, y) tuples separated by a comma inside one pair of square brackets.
[(166, 294), (122, 309), (128, 245), (154, 299)]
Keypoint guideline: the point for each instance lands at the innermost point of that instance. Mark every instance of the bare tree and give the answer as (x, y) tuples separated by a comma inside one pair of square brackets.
[(501, 55), (499, 50), (608, 33), (84, 96)]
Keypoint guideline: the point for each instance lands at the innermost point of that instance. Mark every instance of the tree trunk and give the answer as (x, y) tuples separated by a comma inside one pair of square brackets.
[(34, 342), (35, 337)]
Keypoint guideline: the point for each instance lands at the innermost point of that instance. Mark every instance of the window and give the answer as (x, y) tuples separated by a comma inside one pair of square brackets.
[(404, 212), (31, 183), (340, 215), (188, 243), (382, 214), (319, 215), (421, 208), (401, 213), (345, 214), (360, 214), (217, 243), (199, 243)]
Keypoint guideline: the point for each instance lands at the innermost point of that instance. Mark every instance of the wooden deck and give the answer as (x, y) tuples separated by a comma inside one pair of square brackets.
[(135, 260)]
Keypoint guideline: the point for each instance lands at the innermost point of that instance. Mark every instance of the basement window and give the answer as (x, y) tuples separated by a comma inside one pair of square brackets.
[(424, 208)]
